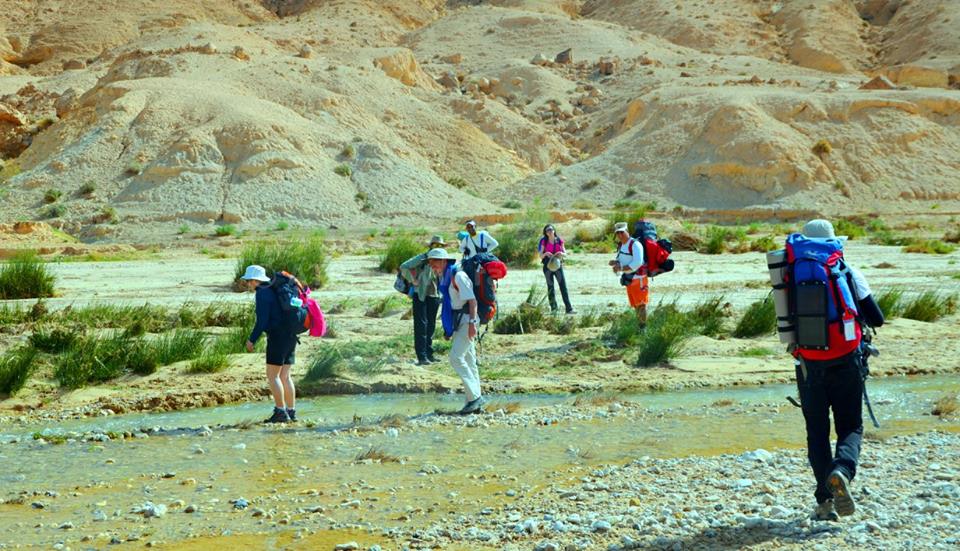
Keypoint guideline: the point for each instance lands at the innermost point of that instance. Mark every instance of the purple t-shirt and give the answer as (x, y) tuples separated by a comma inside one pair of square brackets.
[(552, 248)]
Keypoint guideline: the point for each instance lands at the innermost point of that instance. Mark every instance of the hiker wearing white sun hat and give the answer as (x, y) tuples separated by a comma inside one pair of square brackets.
[(281, 346)]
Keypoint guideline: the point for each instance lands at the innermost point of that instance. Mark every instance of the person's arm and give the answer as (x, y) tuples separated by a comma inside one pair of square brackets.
[(263, 318), (542, 249), (563, 248), (636, 258), (490, 242), (409, 268), (870, 311), (472, 308)]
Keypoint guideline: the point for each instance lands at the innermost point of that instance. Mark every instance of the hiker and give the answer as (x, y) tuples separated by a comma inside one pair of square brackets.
[(460, 303), (280, 345), (552, 255), (425, 292), (473, 242), (629, 263), (831, 377)]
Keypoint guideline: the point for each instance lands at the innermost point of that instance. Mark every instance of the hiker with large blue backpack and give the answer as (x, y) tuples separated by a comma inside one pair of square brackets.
[(282, 316), (826, 315)]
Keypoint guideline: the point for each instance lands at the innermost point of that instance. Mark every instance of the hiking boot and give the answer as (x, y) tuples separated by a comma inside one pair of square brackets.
[(279, 416), (825, 511), (292, 415), (571, 312), (423, 363), (473, 406), (839, 486), (433, 360)]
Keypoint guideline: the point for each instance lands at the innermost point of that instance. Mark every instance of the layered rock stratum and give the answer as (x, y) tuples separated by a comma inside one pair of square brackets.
[(359, 111)]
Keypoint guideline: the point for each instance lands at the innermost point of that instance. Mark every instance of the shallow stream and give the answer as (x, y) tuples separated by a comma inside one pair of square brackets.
[(447, 464)]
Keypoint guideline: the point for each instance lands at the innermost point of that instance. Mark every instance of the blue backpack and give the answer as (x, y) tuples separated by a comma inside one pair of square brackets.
[(822, 298)]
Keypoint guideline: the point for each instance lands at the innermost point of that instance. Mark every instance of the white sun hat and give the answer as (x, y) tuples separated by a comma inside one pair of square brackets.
[(820, 229), (255, 272)]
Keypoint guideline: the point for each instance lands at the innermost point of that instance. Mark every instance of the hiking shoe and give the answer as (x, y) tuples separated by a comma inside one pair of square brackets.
[(473, 406), (433, 360), (825, 511), (292, 415), (571, 312), (422, 363), (840, 488), (279, 416)]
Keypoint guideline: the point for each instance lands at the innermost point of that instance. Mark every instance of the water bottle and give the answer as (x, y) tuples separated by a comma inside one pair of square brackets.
[(296, 302)]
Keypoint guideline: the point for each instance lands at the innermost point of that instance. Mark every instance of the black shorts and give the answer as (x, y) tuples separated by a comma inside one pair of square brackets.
[(280, 349)]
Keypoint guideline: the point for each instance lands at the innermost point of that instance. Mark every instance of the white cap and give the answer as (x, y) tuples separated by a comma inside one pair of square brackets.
[(438, 254), (256, 273)]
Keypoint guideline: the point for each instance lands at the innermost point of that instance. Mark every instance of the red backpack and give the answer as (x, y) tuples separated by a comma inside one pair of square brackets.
[(656, 251)]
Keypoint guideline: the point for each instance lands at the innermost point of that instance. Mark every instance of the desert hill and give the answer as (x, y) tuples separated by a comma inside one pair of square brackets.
[(147, 115)]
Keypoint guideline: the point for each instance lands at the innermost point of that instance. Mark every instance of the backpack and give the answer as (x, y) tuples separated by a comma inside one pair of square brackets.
[(656, 251), (317, 321), (401, 285), (822, 299), (294, 319)]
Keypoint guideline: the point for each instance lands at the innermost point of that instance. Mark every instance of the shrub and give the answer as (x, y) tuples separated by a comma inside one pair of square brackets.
[(457, 182), (140, 357), (931, 246), (590, 184), (561, 325), (225, 230), (388, 306), (666, 332), (183, 229), (594, 317), (12, 314), (234, 341), (209, 362), (16, 366), (930, 306), (945, 406), (822, 147), (890, 302), (708, 315), (343, 170), (759, 319), (282, 226), (512, 205), (52, 195), (630, 212), (305, 258), (9, 170), (135, 168), (87, 189), (53, 341), (764, 244), (717, 238), (55, 211), (583, 204), (528, 316), (106, 215), (93, 359), (348, 151), (25, 276), (399, 250), (850, 228), (518, 243), (215, 314), (624, 330)]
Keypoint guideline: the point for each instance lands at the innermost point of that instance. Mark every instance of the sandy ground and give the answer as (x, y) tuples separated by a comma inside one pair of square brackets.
[(510, 363)]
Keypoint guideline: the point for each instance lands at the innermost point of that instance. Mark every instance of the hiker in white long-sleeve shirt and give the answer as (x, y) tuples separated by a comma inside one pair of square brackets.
[(629, 263), (473, 241)]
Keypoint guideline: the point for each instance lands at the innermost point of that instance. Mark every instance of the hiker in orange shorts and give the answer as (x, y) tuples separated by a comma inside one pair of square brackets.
[(629, 264)]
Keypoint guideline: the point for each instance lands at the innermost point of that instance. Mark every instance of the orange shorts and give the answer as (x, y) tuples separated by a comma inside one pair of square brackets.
[(638, 293)]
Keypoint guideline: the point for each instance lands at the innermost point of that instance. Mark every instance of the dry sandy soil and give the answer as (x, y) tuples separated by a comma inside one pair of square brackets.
[(510, 363), (237, 111)]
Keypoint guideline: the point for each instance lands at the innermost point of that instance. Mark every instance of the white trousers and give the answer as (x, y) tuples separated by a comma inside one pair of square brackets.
[(463, 358)]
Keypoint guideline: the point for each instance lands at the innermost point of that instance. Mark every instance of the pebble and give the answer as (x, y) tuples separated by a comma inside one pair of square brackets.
[(190, 508), (350, 546), (240, 503), (601, 526)]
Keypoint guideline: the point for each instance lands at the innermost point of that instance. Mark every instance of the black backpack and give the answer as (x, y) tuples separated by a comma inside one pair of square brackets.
[(293, 318), (484, 269)]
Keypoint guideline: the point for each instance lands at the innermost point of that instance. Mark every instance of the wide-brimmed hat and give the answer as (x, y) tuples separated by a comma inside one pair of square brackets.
[(438, 254), (256, 273), (436, 240), (820, 229), (620, 227)]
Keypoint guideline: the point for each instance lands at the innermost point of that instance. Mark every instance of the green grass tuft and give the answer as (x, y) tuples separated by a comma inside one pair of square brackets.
[(708, 315), (225, 230), (387, 306), (759, 319), (930, 306), (327, 364), (55, 340), (52, 195), (25, 276), (890, 302), (209, 362), (343, 170), (529, 315), (667, 331), (16, 366), (930, 246), (518, 242)]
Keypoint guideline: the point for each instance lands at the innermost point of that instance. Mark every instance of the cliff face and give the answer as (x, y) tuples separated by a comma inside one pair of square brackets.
[(328, 111)]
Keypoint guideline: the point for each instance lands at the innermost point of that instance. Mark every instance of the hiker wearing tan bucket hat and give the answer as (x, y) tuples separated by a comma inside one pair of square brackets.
[(629, 264), (423, 289)]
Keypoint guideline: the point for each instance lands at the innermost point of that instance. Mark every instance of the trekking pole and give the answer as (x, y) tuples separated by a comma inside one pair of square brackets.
[(869, 350)]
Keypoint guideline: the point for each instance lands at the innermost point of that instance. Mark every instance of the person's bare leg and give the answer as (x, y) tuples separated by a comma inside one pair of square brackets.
[(276, 388), (642, 315), (289, 392)]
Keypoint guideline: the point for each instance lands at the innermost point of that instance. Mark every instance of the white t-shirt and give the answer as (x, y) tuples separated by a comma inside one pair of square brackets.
[(630, 255), (461, 290), (860, 282), (468, 246)]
